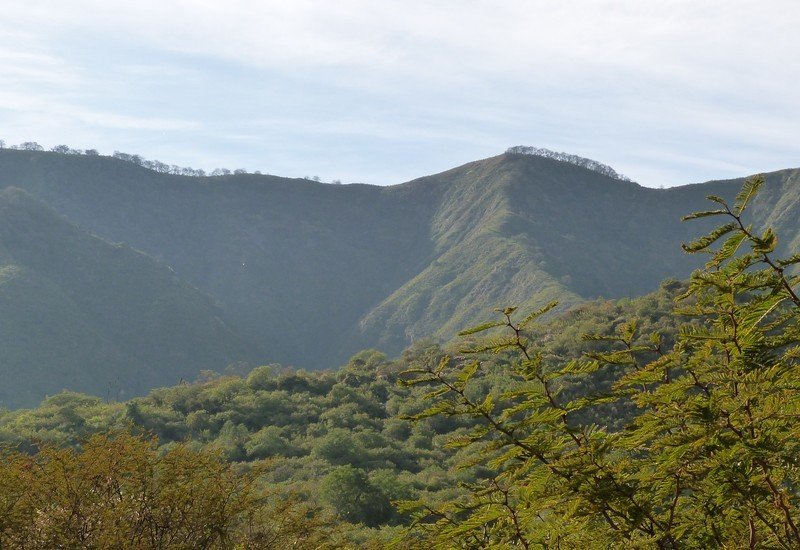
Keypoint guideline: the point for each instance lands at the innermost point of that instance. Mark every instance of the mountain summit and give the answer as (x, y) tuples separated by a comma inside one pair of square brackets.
[(594, 165)]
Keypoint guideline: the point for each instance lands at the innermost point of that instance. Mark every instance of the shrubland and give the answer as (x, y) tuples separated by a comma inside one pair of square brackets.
[(341, 443)]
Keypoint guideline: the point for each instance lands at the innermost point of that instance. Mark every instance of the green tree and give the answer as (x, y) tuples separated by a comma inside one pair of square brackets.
[(119, 492), (355, 499), (708, 461), (338, 447)]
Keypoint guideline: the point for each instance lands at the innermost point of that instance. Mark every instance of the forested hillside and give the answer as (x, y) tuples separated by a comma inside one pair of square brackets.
[(337, 442), (80, 313), (666, 421), (307, 273)]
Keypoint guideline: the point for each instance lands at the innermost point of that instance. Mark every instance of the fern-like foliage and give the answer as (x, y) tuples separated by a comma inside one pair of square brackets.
[(709, 461)]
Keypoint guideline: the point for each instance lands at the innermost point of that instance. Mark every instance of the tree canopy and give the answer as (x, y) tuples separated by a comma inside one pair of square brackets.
[(709, 460)]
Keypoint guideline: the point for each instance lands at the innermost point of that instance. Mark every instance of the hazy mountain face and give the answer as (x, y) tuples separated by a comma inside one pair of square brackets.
[(306, 273), (83, 314)]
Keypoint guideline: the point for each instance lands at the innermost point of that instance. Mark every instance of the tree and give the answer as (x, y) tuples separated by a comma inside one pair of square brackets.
[(355, 499), (119, 492), (338, 447), (267, 442), (709, 460)]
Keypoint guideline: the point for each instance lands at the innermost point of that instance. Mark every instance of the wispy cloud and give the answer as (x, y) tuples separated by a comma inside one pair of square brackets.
[(385, 90)]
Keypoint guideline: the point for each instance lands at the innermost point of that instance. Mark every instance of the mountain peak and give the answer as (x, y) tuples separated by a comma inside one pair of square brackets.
[(583, 162)]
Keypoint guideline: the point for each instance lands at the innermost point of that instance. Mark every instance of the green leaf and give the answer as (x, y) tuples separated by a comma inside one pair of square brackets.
[(627, 331), (704, 242), (755, 313), (703, 214), (488, 404), (766, 243), (794, 259), (538, 313), (443, 363), (467, 373), (728, 248), (495, 345), (482, 327), (718, 200), (599, 338), (749, 190), (619, 357), (576, 367)]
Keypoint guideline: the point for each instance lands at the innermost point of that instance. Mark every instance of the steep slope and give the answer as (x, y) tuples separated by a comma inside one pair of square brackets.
[(80, 313), (310, 273), (295, 263), (524, 230), (478, 264)]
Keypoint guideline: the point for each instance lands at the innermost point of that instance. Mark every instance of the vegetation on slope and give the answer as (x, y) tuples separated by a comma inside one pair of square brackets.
[(273, 251), (708, 460), (119, 491), (671, 430), (80, 313), (387, 266), (336, 443)]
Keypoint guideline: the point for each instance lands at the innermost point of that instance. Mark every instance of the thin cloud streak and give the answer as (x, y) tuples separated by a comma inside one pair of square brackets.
[(382, 91)]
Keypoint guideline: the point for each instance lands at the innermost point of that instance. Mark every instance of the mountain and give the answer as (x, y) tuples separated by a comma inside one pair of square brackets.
[(308, 273), (83, 314)]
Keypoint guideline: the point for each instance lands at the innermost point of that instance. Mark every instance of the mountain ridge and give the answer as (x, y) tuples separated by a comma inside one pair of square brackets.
[(308, 273)]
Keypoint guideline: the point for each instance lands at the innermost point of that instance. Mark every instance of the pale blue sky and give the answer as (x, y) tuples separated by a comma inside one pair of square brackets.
[(666, 92)]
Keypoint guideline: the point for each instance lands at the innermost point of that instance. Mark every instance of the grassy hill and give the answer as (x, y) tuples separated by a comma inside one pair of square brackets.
[(83, 314), (308, 273)]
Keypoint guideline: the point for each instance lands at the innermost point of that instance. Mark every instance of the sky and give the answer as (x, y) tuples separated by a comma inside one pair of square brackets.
[(377, 91)]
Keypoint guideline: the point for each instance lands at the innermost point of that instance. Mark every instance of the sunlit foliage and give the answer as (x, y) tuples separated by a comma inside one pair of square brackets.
[(709, 459)]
